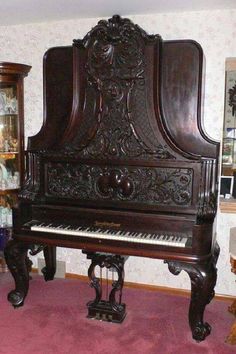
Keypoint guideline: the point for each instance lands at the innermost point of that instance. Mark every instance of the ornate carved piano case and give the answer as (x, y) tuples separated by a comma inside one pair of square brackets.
[(122, 148)]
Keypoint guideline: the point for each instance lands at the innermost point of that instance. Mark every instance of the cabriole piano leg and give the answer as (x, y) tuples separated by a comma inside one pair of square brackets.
[(50, 262), (203, 280), (19, 266)]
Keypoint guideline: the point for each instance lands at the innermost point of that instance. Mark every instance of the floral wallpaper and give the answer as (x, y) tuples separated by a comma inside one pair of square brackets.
[(214, 30)]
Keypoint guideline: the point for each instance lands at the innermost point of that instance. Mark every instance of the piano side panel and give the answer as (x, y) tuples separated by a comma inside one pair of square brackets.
[(58, 94), (181, 72)]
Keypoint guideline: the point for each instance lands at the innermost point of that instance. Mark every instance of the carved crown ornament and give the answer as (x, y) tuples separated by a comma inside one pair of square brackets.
[(115, 70)]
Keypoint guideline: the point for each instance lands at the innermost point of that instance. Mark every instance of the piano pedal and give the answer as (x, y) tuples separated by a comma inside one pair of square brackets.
[(104, 311), (97, 317)]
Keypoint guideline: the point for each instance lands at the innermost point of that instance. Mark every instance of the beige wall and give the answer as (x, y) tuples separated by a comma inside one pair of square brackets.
[(215, 31)]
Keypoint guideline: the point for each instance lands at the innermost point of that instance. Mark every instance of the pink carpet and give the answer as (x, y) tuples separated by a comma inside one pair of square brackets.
[(53, 320)]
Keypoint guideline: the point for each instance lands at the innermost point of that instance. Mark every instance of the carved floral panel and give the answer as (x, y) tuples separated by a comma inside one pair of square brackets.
[(160, 186)]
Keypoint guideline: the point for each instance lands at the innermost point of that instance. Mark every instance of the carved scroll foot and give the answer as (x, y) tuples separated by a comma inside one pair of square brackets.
[(19, 265), (50, 260), (203, 280)]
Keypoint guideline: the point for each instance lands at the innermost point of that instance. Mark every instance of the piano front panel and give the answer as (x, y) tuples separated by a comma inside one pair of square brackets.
[(132, 187)]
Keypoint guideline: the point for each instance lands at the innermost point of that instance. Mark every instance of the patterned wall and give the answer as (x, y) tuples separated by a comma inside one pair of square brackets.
[(215, 31)]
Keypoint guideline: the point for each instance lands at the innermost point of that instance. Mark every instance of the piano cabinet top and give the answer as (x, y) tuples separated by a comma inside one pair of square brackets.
[(121, 93)]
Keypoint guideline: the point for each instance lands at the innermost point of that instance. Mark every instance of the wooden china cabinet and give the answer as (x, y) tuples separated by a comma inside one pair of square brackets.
[(11, 143)]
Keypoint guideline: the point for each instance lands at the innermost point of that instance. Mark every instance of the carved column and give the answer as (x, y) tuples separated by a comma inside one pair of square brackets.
[(203, 279)]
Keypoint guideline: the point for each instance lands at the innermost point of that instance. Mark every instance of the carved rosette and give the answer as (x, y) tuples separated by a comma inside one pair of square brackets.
[(160, 186), (115, 72)]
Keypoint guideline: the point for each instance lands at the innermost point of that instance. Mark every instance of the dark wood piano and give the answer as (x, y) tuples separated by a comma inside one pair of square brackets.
[(121, 164)]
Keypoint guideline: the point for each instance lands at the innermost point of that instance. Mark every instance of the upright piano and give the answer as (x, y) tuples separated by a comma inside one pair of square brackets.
[(122, 164)]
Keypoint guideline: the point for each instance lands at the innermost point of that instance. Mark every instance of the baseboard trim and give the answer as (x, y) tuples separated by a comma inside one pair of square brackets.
[(165, 289)]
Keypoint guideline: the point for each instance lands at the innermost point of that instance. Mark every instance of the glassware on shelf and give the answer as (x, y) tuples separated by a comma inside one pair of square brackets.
[(8, 100), (8, 179), (8, 133), (227, 153), (5, 217)]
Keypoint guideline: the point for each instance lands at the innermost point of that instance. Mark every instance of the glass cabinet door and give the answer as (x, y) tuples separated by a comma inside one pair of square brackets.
[(9, 152), (9, 146), (229, 129), (11, 142)]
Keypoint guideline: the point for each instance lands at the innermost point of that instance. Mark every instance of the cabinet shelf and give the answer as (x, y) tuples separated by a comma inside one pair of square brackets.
[(8, 114), (228, 205), (9, 155), (9, 191)]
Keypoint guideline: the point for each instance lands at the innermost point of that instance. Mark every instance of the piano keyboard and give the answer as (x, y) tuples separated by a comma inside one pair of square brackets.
[(164, 239)]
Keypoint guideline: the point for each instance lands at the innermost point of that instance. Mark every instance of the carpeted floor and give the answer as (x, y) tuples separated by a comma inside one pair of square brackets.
[(53, 320)]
